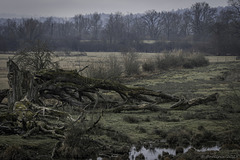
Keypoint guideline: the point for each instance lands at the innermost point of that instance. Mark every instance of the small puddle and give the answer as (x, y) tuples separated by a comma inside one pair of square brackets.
[(154, 153)]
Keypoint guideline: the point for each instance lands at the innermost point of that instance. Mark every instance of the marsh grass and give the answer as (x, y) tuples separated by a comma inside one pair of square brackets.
[(131, 119), (180, 59), (110, 68), (131, 62), (148, 65)]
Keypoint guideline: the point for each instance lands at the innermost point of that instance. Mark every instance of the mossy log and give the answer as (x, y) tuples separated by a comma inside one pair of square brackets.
[(71, 87), (184, 104), (150, 107)]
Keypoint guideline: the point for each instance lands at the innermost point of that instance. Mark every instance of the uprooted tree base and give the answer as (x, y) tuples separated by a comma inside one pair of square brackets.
[(30, 113)]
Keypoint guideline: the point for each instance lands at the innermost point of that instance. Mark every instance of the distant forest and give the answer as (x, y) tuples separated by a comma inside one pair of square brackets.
[(199, 28)]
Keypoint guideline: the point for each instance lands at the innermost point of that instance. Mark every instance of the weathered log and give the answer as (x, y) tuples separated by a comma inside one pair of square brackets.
[(184, 104), (150, 107), (77, 90), (70, 87)]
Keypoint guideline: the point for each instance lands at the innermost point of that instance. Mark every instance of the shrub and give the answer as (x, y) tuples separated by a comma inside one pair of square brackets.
[(188, 64), (97, 70), (35, 58), (131, 62), (198, 60), (141, 129), (113, 66), (148, 66), (78, 143), (159, 132), (130, 119), (178, 59), (169, 60), (109, 69)]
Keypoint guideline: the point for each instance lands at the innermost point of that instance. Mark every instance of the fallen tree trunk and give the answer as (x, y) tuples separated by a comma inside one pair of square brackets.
[(76, 90), (150, 107), (70, 87), (184, 104)]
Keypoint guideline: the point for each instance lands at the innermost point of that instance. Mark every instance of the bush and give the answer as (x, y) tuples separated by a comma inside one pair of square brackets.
[(169, 60), (97, 70), (131, 62), (159, 132), (79, 143), (141, 129), (114, 67), (148, 66), (35, 58), (198, 60), (130, 119), (188, 64), (109, 69), (178, 59)]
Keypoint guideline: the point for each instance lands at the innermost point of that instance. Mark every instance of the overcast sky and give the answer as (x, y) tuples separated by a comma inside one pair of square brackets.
[(69, 8)]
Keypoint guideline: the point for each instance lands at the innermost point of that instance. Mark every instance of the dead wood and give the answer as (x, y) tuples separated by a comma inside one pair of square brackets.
[(79, 91), (184, 104), (150, 107)]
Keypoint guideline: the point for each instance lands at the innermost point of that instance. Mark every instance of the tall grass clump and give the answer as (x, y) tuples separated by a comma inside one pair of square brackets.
[(131, 62), (173, 59), (195, 60), (114, 67), (81, 141), (109, 69), (179, 59), (148, 65)]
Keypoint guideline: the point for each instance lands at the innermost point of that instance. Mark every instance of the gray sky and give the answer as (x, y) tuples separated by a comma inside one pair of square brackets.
[(69, 8)]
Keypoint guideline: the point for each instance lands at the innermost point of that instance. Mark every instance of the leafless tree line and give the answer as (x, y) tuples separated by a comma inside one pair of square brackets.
[(200, 27)]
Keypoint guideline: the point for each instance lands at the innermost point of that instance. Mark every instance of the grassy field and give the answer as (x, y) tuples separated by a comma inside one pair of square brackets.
[(209, 124), (78, 62)]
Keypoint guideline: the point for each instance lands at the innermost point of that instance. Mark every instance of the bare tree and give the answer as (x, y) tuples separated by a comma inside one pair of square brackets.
[(171, 23), (96, 25), (152, 20), (131, 62), (115, 28), (35, 58), (202, 17), (81, 25), (185, 27), (29, 30), (235, 11)]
